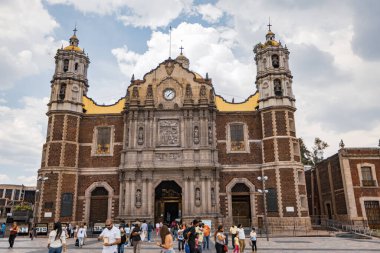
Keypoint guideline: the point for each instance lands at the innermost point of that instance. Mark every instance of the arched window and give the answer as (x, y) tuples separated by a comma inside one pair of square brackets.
[(65, 65), (277, 87), (275, 61), (62, 92), (76, 66)]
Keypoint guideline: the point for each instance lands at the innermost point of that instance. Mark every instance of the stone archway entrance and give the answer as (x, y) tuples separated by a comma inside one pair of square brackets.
[(168, 202), (99, 205), (241, 205)]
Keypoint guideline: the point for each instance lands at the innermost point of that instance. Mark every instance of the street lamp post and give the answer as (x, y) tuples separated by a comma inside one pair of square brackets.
[(264, 192)]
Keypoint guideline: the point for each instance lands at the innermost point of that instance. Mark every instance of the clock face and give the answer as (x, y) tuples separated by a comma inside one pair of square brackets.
[(169, 94)]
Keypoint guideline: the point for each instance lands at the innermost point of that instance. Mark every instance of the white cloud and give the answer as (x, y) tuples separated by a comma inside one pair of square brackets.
[(25, 43), (155, 13), (209, 12), (208, 49), (27, 180), (4, 179), (22, 134)]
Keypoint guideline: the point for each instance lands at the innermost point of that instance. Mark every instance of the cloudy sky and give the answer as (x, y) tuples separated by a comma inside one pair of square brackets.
[(335, 60)]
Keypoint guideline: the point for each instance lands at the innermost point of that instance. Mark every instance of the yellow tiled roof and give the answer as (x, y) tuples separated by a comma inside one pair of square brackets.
[(247, 106), (92, 108)]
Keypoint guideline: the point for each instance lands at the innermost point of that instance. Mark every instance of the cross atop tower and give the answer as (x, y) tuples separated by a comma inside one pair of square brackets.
[(75, 30), (181, 48), (269, 25)]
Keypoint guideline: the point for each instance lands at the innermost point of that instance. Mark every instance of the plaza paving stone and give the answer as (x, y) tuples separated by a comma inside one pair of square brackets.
[(282, 244)]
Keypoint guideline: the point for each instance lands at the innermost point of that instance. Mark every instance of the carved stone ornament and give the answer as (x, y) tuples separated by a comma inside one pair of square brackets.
[(213, 200), (168, 156), (138, 198), (197, 196), (135, 93), (189, 92), (209, 135), (149, 92), (169, 66), (169, 132), (196, 135), (140, 136), (202, 92), (211, 96)]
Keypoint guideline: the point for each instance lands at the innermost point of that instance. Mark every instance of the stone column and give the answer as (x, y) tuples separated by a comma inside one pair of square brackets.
[(144, 209), (133, 198), (208, 191), (150, 209), (191, 194), (203, 200)]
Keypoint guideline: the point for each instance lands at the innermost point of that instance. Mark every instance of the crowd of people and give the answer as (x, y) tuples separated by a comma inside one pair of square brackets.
[(191, 238)]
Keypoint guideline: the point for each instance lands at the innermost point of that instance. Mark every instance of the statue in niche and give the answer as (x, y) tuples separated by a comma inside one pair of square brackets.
[(275, 61), (62, 92), (140, 136), (211, 95), (189, 92), (277, 87), (197, 196), (196, 135), (138, 198), (213, 202), (149, 92), (209, 135), (202, 92), (135, 92)]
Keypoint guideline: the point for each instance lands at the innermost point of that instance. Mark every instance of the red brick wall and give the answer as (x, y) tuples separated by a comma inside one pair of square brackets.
[(88, 124), (68, 182), (283, 149), (88, 161), (252, 119), (254, 156), (71, 128), (49, 195), (288, 191), (268, 124), (281, 123), (70, 155), (291, 116), (268, 151), (54, 154), (58, 127)]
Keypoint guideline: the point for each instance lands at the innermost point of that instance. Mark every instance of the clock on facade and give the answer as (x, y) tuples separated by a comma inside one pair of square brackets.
[(169, 94)]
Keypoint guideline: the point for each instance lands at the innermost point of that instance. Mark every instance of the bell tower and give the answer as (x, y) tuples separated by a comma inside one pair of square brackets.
[(69, 82), (59, 164), (280, 148)]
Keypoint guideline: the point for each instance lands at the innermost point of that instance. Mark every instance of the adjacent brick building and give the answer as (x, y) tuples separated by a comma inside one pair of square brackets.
[(171, 147), (345, 187)]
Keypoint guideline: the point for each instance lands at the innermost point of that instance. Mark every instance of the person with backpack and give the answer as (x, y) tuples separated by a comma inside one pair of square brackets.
[(123, 236), (57, 239)]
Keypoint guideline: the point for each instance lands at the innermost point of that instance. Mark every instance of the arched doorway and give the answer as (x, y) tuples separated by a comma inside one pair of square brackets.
[(99, 205), (168, 202), (241, 204)]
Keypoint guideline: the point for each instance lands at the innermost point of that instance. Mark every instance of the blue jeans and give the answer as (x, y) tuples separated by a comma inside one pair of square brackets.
[(120, 248), (149, 235), (55, 250), (206, 242)]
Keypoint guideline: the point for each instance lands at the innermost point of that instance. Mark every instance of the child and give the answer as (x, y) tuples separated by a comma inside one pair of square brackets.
[(253, 238), (181, 240), (236, 242)]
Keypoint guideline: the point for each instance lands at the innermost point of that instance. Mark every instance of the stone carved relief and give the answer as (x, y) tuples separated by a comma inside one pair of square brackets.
[(168, 132), (202, 92), (213, 200), (135, 93), (169, 66), (189, 92), (140, 136), (209, 135), (138, 198), (196, 135), (168, 156), (211, 96), (75, 91), (197, 196), (149, 92)]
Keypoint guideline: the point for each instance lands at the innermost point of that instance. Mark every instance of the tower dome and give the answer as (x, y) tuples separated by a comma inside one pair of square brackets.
[(74, 42), (183, 60)]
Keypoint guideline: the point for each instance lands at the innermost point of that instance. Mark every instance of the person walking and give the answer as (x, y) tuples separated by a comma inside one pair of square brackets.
[(144, 230), (81, 234), (166, 240), (111, 237), (236, 243), (14, 229), (150, 231), (136, 238), (192, 235), (127, 233), (3, 229), (85, 235), (219, 239), (241, 236), (123, 237), (199, 244), (57, 239), (233, 232), (206, 236), (253, 238), (157, 228), (181, 240)]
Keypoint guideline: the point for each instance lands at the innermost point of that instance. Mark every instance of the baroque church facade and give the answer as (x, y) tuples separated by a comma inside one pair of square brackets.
[(171, 148)]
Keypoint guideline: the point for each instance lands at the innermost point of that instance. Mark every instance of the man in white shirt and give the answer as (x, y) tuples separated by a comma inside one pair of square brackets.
[(111, 237), (144, 229), (241, 236)]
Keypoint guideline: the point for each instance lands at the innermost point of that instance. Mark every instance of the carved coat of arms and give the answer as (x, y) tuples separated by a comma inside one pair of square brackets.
[(168, 133), (169, 66)]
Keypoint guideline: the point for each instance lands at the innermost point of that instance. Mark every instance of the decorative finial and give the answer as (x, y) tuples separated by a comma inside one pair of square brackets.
[(269, 25), (75, 29), (379, 143), (233, 100), (62, 46), (181, 48), (341, 144), (133, 78), (207, 76)]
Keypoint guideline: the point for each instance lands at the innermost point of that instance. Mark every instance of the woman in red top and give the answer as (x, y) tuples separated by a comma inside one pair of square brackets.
[(12, 235)]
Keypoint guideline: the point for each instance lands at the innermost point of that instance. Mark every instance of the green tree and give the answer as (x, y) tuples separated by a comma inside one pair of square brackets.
[(316, 155)]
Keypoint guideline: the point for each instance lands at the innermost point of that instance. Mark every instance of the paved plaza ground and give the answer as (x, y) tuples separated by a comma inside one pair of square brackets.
[(283, 244)]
